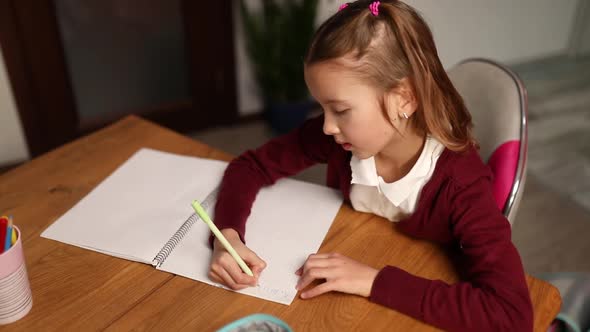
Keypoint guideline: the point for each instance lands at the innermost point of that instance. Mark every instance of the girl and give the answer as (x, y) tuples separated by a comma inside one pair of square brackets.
[(397, 140)]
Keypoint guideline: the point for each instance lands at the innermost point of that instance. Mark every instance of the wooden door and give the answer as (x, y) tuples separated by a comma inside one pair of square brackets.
[(53, 88)]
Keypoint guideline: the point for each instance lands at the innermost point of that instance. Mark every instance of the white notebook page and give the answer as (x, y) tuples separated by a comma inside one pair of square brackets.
[(138, 208), (289, 221), (135, 210)]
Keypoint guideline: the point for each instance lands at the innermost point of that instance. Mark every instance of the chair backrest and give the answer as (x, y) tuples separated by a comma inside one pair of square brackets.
[(497, 101)]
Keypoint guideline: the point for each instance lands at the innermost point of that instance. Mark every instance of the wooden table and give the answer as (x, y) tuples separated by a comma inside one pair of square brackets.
[(77, 289)]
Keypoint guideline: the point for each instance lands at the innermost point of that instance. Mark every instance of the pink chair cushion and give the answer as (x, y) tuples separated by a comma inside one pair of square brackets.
[(503, 162)]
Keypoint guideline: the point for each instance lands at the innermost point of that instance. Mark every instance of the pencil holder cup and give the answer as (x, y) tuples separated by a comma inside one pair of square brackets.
[(15, 292)]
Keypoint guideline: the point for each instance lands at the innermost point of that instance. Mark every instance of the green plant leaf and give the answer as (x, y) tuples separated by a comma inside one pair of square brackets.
[(276, 40)]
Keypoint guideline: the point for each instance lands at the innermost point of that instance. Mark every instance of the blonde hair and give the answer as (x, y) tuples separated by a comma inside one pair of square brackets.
[(393, 45)]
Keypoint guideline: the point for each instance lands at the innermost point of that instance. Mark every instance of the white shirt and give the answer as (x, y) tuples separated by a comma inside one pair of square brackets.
[(397, 200)]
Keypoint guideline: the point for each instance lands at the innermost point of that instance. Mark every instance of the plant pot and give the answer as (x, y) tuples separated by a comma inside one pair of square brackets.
[(284, 117)]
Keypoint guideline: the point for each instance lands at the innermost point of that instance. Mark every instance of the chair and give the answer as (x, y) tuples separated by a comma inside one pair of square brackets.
[(497, 101)]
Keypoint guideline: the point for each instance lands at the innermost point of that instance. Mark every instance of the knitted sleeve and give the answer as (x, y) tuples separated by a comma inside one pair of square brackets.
[(493, 295), (280, 157)]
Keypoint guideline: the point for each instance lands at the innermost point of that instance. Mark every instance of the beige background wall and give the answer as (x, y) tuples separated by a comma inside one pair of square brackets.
[(12, 142), (505, 30)]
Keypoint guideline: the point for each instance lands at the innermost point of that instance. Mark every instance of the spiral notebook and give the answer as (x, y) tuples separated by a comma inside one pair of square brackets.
[(142, 212)]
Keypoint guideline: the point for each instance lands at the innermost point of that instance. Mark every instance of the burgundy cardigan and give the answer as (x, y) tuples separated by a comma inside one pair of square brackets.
[(455, 208)]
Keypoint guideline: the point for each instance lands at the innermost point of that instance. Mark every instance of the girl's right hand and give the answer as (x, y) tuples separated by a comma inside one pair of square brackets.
[(225, 270)]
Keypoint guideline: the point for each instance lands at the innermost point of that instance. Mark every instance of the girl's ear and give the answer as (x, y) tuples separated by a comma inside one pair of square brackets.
[(400, 102), (392, 107), (407, 98)]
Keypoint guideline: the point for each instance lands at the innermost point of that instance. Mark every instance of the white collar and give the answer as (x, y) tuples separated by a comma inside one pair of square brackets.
[(364, 172)]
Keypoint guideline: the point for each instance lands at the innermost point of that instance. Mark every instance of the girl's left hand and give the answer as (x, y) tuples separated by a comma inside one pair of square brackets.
[(341, 273)]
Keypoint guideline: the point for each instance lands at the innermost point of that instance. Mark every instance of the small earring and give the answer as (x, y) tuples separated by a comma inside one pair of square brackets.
[(405, 115)]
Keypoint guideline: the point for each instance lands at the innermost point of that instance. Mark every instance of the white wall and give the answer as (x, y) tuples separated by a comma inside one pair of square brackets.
[(505, 30), (12, 141), (583, 48), (580, 37), (248, 99)]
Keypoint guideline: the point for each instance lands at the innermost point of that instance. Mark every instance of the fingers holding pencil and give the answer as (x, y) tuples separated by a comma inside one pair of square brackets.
[(232, 262), (224, 268)]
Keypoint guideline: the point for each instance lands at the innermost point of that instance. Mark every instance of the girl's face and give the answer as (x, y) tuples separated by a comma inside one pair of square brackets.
[(352, 113)]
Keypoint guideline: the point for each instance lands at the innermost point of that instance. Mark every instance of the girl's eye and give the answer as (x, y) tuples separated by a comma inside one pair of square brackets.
[(341, 112)]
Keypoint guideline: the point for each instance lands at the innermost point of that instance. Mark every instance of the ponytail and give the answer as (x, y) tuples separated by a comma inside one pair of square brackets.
[(441, 110), (393, 45)]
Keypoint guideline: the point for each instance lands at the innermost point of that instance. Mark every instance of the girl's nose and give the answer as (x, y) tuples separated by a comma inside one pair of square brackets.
[(330, 127)]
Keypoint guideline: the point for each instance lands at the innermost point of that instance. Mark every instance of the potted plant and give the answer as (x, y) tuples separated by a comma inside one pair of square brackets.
[(276, 40)]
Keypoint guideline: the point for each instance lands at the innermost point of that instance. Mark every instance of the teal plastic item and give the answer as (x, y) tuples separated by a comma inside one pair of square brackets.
[(257, 323)]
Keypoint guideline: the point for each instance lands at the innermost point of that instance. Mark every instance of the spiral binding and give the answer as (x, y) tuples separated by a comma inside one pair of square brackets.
[(183, 230)]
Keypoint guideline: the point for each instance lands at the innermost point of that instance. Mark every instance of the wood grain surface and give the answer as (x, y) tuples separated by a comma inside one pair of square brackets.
[(77, 289)]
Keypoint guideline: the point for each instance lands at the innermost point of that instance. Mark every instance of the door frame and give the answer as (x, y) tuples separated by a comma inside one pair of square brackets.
[(37, 72), (35, 62)]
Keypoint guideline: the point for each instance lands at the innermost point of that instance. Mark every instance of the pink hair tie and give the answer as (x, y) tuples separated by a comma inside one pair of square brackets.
[(342, 6), (374, 7)]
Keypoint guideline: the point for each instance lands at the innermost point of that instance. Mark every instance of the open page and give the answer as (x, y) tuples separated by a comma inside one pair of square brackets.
[(135, 210), (289, 221)]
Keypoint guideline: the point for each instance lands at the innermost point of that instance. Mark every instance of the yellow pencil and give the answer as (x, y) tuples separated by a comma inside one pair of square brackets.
[(13, 240), (13, 235), (205, 217)]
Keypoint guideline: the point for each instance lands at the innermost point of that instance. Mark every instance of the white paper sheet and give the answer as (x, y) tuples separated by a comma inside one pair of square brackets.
[(134, 212), (289, 220)]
